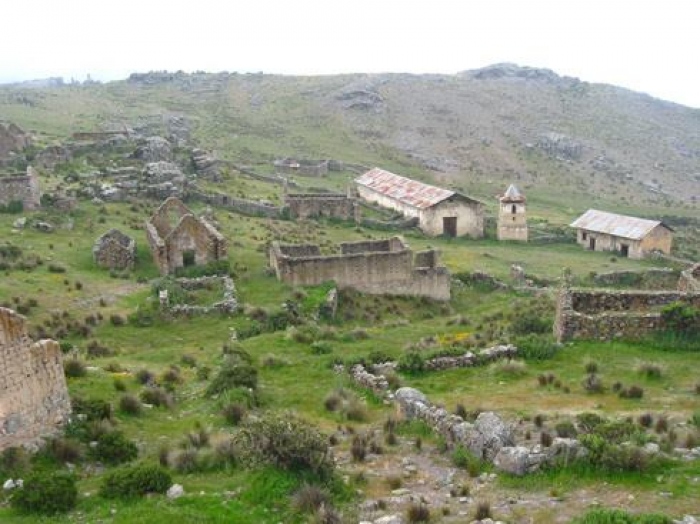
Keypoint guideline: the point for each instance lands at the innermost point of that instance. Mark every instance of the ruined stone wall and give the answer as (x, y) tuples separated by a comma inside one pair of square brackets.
[(390, 271), (326, 205), (606, 315), (34, 399), (393, 244), (21, 188), (302, 167), (114, 250), (239, 205), (689, 280)]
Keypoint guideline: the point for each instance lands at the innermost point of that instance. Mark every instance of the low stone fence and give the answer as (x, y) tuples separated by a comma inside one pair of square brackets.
[(239, 205), (470, 359)]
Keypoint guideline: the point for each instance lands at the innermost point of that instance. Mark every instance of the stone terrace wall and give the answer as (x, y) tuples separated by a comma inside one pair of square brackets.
[(21, 188), (333, 205), (376, 267), (605, 315), (34, 400)]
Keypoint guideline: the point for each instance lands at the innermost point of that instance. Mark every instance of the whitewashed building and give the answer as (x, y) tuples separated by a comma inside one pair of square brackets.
[(439, 211)]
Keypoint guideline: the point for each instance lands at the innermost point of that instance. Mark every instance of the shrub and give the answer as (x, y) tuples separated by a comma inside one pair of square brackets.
[(412, 363), (565, 429), (64, 450), (661, 425), (172, 375), (157, 397), (536, 346), (119, 384), (93, 409), (233, 374), (356, 410), (46, 494), (358, 448), (334, 400), (56, 268), (417, 512), (130, 405), (203, 372), (593, 384), (14, 462), (632, 392), (546, 439), (287, 442), (234, 413), (646, 420), (591, 366), (309, 498), (321, 347), (114, 448), (483, 510), (650, 370), (117, 320), (74, 368), (134, 481), (188, 360), (512, 368)]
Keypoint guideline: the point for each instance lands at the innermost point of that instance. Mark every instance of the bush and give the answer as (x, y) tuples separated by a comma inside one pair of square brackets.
[(536, 347), (117, 320), (130, 405), (114, 448), (14, 462), (632, 392), (321, 347), (233, 374), (134, 481), (287, 442), (93, 409), (593, 384), (46, 494), (358, 448), (309, 498), (145, 377), (64, 450), (412, 363), (565, 429), (650, 370), (157, 397), (417, 512), (234, 413), (530, 322), (74, 368), (483, 510)]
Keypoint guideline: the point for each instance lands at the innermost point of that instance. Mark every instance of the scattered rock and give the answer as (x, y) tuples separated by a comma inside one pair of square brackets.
[(175, 491)]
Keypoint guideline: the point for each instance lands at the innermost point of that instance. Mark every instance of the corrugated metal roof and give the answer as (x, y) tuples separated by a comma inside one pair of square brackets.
[(616, 225), (411, 192)]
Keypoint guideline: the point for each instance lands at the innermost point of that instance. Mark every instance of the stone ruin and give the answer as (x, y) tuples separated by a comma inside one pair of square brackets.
[(303, 167), (12, 140), (21, 187), (689, 280), (114, 250), (379, 267), (34, 401), (178, 238), (605, 315), (330, 205)]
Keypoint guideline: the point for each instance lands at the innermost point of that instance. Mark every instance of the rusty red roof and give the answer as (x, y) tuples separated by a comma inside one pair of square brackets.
[(411, 192), (617, 225)]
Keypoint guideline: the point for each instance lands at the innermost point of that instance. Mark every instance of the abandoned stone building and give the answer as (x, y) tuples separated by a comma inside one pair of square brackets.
[(21, 187), (34, 401), (330, 205), (512, 218), (629, 236), (378, 267), (178, 238), (303, 167), (439, 211), (114, 250)]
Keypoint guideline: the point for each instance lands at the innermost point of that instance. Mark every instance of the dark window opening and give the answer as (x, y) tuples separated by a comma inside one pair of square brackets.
[(188, 258), (584, 236), (512, 209)]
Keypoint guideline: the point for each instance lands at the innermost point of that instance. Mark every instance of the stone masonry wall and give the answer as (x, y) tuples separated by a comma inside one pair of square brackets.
[(21, 188), (320, 205), (606, 315), (689, 280), (390, 271), (34, 401)]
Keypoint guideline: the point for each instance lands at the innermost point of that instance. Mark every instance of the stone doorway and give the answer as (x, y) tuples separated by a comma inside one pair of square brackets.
[(188, 258), (591, 243)]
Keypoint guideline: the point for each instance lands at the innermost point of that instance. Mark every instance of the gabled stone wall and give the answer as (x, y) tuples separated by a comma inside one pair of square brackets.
[(114, 250), (34, 401)]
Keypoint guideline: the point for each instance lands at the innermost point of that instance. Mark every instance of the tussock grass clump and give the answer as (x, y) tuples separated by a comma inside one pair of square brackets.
[(546, 439), (157, 397), (593, 384), (309, 498), (591, 366), (145, 377), (650, 370), (234, 413), (634, 392), (130, 405), (661, 425), (65, 450), (358, 448), (417, 512), (74, 368), (510, 368), (565, 429), (646, 420), (483, 510)]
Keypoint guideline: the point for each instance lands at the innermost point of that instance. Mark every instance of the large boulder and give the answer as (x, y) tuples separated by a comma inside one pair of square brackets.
[(496, 432), (518, 460), (154, 149)]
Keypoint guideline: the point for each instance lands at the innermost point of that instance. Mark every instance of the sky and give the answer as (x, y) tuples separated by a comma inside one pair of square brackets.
[(644, 45)]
